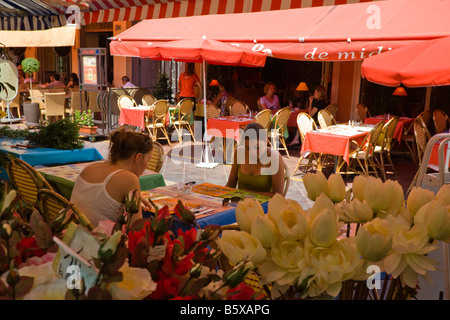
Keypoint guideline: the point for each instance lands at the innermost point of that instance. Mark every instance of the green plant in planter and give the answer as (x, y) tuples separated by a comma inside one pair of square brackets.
[(85, 118), (29, 66), (62, 134), (163, 90)]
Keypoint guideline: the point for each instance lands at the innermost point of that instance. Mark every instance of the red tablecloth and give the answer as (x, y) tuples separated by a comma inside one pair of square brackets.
[(227, 127), (331, 143), (402, 124), (133, 116), (292, 122)]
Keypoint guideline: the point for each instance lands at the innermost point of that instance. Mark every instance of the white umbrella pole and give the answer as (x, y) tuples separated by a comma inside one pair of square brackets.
[(205, 163)]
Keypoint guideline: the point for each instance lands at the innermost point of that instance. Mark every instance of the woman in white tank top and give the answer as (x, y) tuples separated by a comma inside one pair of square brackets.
[(100, 189)]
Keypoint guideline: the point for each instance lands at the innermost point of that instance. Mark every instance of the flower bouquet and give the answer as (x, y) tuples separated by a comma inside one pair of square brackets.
[(331, 250), (85, 121)]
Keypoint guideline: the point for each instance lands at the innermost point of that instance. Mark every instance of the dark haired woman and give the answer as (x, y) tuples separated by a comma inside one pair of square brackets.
[(100, 189), (256, 167)]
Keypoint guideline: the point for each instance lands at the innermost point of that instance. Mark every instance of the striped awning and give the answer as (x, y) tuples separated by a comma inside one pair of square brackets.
[(45, 14)]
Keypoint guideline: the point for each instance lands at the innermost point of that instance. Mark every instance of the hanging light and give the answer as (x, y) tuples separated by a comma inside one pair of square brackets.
[(214, 83), (400, 91), (302, 87)]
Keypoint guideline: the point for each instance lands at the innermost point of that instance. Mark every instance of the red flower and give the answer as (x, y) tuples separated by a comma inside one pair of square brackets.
[(241, 292), (183, 298), (166, 287), (189, 237), (28, 248), (182, 267), (135, 236)]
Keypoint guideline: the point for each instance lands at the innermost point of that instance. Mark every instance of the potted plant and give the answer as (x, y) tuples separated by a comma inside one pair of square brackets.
[(31, 110), (162, 89), (85, 122)]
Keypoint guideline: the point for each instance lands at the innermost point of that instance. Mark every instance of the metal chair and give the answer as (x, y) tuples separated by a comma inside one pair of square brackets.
[(182, 117), (54, 105), (126, 101), (156, 161), (156, 119), (440, 120), (239, 107), (53, 203), (362, 112), (305, 123), (148, 100), (279, 129)]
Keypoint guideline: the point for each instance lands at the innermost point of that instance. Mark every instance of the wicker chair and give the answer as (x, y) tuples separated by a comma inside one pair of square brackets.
[(305, 123), (279, 128), (264, 118), (238, 107), (325, 119), (441, 121), (126, 101), (54, 105), (408, 134), (363, 154), (157, 159), (421, 140), (212, 111), (332, 108), (156, 120), (228, 103), (148, 100), (182, 118), (53, 203), (362, 112), (385, 143)]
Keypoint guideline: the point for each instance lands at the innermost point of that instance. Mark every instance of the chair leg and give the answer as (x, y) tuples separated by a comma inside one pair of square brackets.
[(284, 145), (190, 130), (166, 135)]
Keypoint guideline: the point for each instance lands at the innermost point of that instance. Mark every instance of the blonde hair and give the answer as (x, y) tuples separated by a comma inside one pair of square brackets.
[(267, 86)]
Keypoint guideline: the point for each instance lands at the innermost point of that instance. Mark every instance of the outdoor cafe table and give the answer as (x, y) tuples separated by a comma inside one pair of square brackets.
[(134, 116), (46, 156), (227, 128), (334, 140), (204, 200), (63, 177), (402, 124)]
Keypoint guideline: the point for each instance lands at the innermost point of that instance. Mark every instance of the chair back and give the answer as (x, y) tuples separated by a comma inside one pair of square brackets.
[(281, 119), (387, 134), (92, 101), (374, 136), (54, 103), (185, 107), (421, 139), (27, 180), (158, 113), (212, 111), (332, 108), (264, 118), (440, 120), (305, 123), (126, 101), (157, 159), (75, 102), (228, 103), (362, 112), (325, 118), (148, 100), (53, 203), (238, 107), (59, 89)]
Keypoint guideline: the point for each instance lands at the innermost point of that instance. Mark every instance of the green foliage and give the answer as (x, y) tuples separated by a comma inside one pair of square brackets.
[(62, 134), (162, 89), (30, 65), (7, 133), (85, 118)]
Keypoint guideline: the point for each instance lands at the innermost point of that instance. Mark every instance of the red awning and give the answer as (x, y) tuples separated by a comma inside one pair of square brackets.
[(329, 33)]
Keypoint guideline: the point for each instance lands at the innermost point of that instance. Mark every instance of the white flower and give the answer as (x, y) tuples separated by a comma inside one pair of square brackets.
[(417, 198), (354, 211), (240, 245), (374, 239), (336, 188), (315, 184), (137, 284), (265, 231), (324, 229), (246, 212)]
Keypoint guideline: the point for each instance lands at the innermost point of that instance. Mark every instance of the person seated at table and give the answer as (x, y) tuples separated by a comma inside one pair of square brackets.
[(100, 189), (317, 102), (226, 91), (74, 81), (54, 82), (270, 99), (256, 167), (126, 83)]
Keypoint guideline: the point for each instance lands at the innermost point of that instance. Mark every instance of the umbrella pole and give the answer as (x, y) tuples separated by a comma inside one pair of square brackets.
[(205, 163)]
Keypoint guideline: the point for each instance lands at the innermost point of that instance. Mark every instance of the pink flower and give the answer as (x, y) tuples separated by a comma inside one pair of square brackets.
[(105, 227)]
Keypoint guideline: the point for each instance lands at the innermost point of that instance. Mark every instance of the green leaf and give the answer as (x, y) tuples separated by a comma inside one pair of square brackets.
[(97, 293), (118, 277), (41, 230), (139, 224), (119, 259)]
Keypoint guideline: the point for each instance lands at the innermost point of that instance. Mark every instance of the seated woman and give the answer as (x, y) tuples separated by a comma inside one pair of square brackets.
[(226, 91), (270, 99), (100, 189), (257, 167)]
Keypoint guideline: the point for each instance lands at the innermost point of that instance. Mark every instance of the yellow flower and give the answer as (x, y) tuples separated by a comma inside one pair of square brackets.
[(315, 184), (436, 216), (278, 204), (283, 265), (240, 245), (265, 231), (137, 284), (292, 224), (354, 211), (322, 202), (444, 194), (336, 188), (246, 212), (384, 198), (359, 187), (417, 198), (324, 229), (374, 239), (54, 289)]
